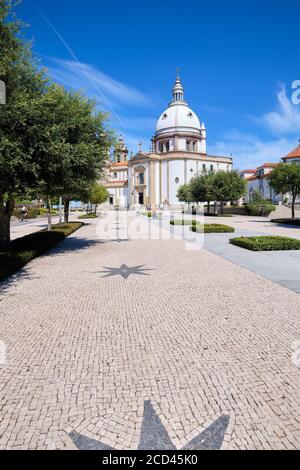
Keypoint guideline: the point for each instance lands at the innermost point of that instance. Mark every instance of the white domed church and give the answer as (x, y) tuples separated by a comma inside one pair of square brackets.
[(178, 153)]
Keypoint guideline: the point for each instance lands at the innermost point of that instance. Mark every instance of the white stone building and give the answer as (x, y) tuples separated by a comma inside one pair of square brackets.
[(178, 153), (257, 180)]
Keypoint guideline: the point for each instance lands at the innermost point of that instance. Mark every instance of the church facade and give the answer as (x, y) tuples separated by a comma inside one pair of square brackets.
[(178, 153)]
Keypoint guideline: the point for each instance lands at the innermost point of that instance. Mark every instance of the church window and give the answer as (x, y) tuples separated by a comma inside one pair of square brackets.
[(211, 168), (190, 115), (141, 178), (204, 167), (188, 145), (115, 175), (165, 116), (167, 146), (176, 180), (161, 147)]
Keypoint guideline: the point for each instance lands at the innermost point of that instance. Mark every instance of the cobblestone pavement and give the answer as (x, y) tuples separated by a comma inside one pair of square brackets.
[(256, 225), (193, 333)]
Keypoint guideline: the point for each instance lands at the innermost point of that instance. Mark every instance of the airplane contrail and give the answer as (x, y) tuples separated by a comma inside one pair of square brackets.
[(75, 58)]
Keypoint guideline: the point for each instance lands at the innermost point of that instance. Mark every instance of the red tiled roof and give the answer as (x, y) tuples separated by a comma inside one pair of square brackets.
[(268, 165), (293, 154), (248, 171)]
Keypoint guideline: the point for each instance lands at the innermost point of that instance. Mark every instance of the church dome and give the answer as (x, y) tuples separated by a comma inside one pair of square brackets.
[(178, 117)]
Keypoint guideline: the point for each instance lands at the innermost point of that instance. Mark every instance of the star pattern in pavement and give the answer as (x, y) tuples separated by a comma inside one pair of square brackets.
[(154, 435), (125, 271)]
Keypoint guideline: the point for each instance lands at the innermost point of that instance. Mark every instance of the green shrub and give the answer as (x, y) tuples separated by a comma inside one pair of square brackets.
[(266, 243), (183, 222), (33, 212), (295, 222), (44, 211), (265, 209), (88, 216), (212, 228), (22, 250)]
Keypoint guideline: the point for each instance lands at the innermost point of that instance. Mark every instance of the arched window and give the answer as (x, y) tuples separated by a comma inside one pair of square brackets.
[(141, 178)]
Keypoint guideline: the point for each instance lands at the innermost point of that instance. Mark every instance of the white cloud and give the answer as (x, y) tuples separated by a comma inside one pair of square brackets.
[(94, 82), (250, 151), (286, 120)]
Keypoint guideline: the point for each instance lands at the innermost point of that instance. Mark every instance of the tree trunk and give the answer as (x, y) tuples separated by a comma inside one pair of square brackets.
[(293, 206), (6, 211), (49, 215), (60, 210), (208, 207), (222, 208), (67, 207)]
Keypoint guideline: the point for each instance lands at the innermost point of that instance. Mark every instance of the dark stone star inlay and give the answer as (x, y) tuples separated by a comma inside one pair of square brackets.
[(125, 271), (154, 435)]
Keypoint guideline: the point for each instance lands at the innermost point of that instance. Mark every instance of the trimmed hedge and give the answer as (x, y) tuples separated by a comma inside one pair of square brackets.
[(22, 250), (44, 211), (88, 216), (263, 210), (212, 228), (266, 243), (183, 222), (295, 222)]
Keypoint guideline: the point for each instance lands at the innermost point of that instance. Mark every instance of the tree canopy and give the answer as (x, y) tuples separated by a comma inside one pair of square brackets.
[(52, 142), (221, 186), (286, 179)]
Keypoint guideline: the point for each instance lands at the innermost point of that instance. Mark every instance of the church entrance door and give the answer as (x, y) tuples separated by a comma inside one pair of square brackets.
[(141, 199)]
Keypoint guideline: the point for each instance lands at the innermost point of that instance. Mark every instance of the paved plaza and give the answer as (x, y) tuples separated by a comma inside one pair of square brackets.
[(130, 344)]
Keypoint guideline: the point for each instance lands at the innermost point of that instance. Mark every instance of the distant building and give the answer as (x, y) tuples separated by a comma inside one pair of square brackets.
[(258, 179), (258, 182), (178, 153), (117, 176)]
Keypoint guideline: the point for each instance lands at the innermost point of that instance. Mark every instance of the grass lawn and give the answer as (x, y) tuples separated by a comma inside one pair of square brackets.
[(212, 228), (22, 250), (266, 243), (88, 216)]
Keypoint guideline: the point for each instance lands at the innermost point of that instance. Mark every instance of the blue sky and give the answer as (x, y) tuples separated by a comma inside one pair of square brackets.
[(237, 60)]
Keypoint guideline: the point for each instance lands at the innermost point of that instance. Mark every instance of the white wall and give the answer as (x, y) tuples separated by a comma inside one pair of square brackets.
[(176, 170)]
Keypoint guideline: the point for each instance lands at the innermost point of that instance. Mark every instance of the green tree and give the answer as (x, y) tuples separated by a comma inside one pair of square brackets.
[(24, 82), (98, 195), (228, 186), (184, 194), (286, 179), (257, 197), (72, 148), (202, 189)]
